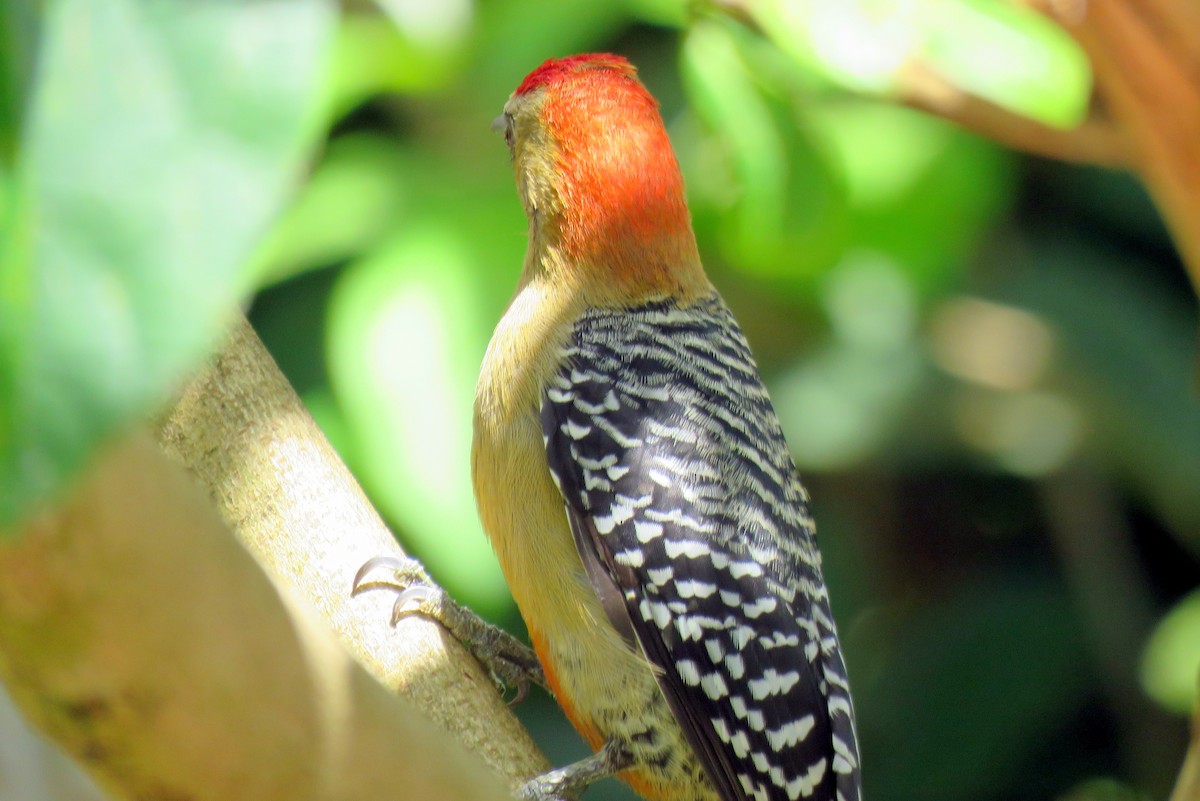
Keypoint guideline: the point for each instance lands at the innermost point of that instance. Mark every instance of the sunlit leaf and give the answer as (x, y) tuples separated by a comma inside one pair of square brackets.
[(161, 140), (992, 48), (1012, 56), (857, 44), (1171, 663), (435, 26), (788, 191)]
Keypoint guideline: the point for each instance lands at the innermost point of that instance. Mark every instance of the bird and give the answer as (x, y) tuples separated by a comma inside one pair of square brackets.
[(633, 479)]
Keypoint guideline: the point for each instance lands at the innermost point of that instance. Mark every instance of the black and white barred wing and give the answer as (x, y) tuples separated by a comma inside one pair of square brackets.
[(682, 493)]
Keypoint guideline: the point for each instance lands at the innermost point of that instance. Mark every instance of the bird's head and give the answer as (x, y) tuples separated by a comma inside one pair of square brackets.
[(598, 179)]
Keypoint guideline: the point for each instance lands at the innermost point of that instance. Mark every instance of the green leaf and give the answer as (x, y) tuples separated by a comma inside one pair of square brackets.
[(1104, 790), (1171, 663), (767, 193), (1012, 56), (513, 38), (919, 190), (673, 13), (791, 182), (161, 140), (373, 56), (992, 48)]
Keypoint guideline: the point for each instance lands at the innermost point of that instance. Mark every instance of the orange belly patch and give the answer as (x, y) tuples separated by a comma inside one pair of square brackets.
[(585, 727), (643, 782)]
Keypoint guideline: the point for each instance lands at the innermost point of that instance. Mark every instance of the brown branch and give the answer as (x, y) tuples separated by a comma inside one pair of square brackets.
[(245, 435), (1094, 141), (1146, 58), (147, 642), (156, 649)]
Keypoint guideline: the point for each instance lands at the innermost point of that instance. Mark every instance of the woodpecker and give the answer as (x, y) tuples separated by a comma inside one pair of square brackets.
[(633, 479)]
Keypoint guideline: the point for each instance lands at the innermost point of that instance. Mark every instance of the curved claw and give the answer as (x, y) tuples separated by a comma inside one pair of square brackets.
[(412, 596), (509, 662), (369, 566), (522, 692)]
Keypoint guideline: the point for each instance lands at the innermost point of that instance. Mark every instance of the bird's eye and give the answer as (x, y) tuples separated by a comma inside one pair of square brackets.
[(508, 132), (505, 123)]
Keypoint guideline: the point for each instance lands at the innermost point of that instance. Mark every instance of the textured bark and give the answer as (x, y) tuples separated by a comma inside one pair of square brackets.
[(244, 434), (147, 642), (174, 660)]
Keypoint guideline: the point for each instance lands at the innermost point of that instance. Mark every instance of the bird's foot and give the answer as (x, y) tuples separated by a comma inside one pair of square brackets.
[(510, 662), (568, 782)]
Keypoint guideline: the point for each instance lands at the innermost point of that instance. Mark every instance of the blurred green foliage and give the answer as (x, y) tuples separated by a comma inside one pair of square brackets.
[(1168, 670), (983, 361), (158, 143)]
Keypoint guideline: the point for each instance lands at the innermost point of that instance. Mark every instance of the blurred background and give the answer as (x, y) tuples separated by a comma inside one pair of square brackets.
[(985, 362)]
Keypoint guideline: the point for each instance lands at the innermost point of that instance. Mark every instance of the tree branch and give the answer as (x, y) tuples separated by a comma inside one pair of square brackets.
[(1146, 58), (150, 644), (1095, 141), (146, 641), (244, 434)]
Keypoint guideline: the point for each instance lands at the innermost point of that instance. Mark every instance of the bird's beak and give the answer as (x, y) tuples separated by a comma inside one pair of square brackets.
[(498, 124)]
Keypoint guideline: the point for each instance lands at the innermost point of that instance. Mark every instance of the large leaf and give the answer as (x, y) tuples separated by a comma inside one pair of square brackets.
[(1012, 56), (352, 199), (919, 190), (161, 140)]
